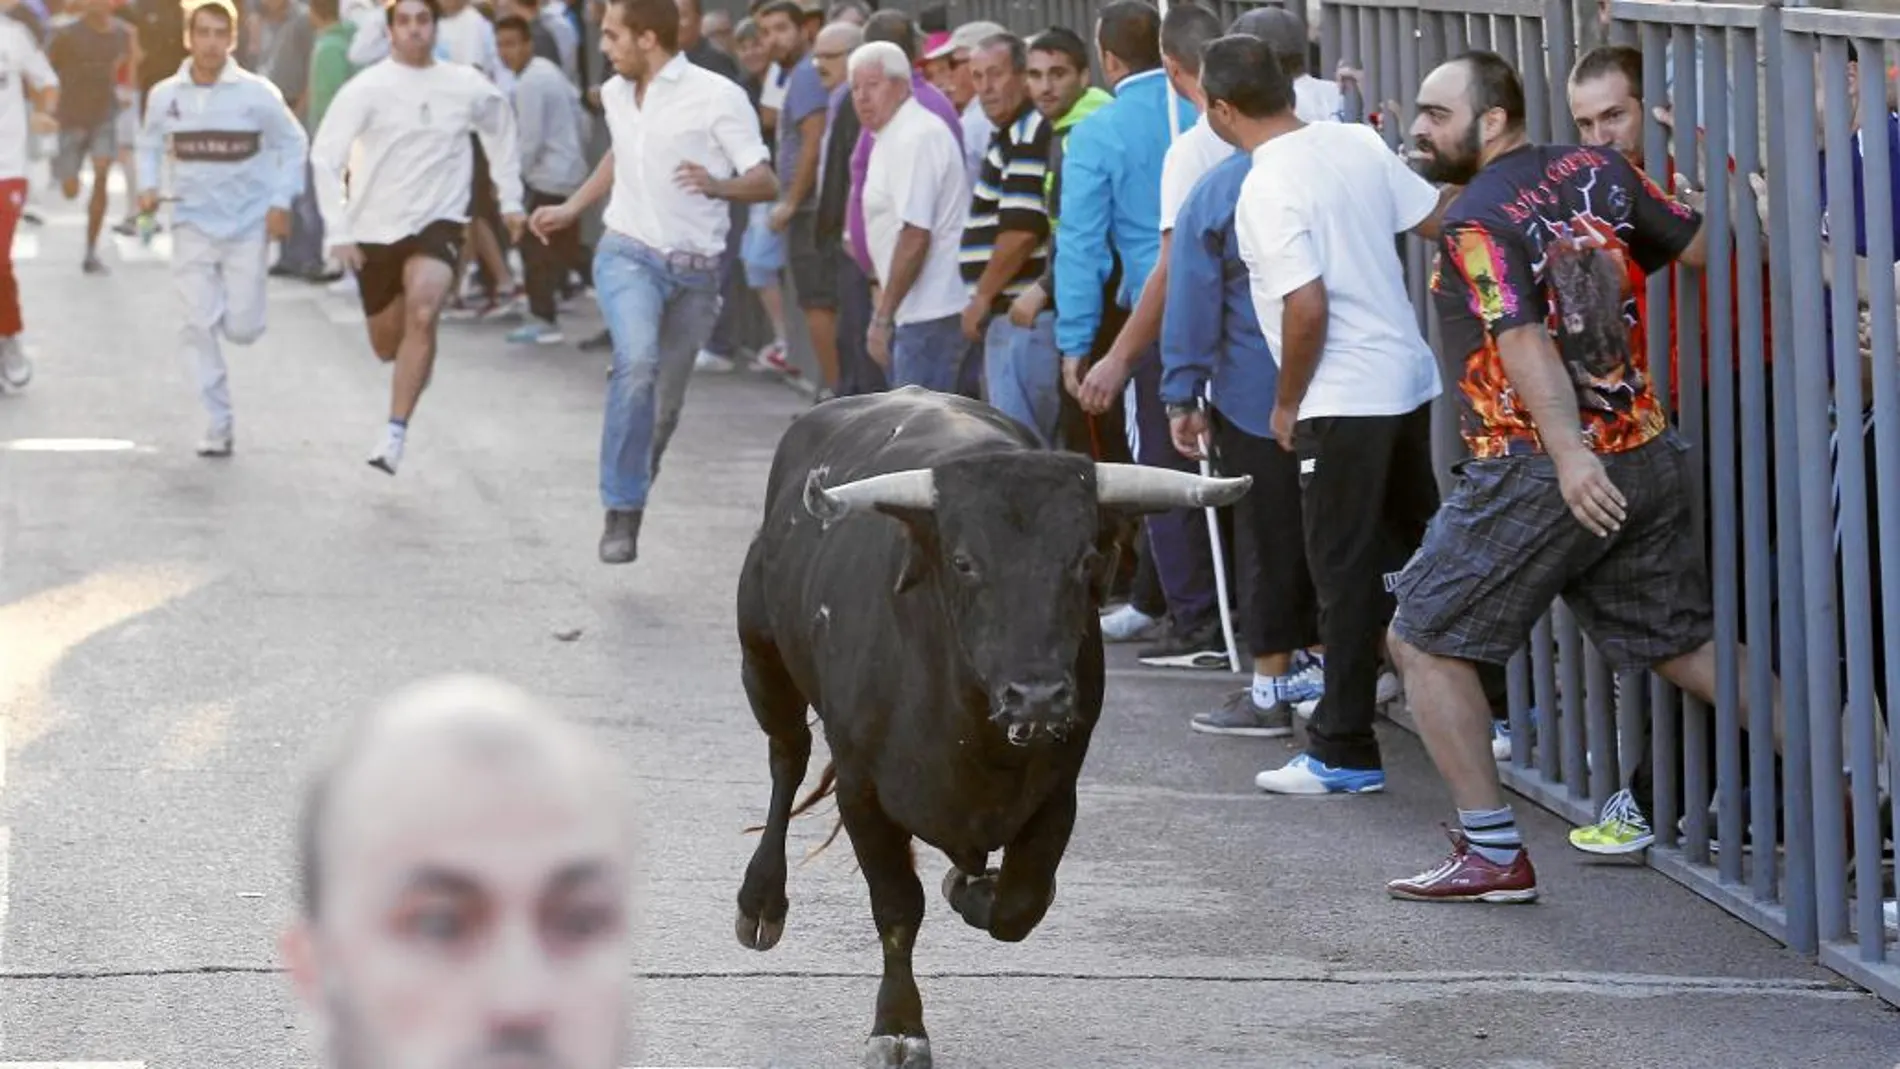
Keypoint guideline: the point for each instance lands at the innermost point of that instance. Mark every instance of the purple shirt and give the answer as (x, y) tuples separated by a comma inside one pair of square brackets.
[(937, 104)]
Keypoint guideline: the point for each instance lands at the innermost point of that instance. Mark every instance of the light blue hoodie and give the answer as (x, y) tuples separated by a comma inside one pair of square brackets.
[(235, 150)]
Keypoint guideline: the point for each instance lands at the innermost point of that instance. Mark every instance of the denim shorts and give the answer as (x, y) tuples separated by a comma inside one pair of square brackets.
[(761, 250)]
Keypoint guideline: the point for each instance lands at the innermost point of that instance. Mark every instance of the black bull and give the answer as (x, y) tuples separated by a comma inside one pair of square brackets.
[(928, 580)]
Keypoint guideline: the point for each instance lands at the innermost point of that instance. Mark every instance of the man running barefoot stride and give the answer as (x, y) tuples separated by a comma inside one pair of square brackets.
[(401, 128)]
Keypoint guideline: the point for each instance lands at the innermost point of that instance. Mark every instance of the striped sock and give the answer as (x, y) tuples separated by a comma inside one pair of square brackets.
[(1493, 834)]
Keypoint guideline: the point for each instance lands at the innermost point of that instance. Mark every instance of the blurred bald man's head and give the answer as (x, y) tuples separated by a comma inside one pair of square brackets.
[(465, 869)]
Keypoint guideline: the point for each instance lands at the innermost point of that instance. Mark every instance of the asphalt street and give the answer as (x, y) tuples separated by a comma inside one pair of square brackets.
[(177, 636)]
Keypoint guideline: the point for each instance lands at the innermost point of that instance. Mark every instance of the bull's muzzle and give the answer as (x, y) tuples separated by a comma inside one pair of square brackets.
[(1031, 712)]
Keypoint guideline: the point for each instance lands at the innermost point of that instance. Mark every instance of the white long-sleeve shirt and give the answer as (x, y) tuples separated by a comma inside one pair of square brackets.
[(403, 134)]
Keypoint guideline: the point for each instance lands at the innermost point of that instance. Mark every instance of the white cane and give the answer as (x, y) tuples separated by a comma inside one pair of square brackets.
[(1207, 467)]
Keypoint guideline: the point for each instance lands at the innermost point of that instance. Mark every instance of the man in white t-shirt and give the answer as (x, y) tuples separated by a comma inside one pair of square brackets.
[(1315, 225), (685, 143), (402, 130), (20, 58), (915, 199)]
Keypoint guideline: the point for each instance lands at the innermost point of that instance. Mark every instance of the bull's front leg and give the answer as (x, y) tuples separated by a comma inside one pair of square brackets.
[(1009, 902), (898, 1039)]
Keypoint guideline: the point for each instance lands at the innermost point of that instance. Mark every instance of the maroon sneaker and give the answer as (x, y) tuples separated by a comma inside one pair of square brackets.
[(1466, 876)]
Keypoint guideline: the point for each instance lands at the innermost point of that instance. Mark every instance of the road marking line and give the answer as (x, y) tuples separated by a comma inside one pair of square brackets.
[(71, 445)]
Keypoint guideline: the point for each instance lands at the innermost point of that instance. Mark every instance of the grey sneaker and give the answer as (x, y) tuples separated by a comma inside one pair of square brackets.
[(1238, 715), (15, 369), (217, 442)]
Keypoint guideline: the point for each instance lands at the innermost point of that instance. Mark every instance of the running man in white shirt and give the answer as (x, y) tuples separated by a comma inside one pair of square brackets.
[(401, 129), (685, 142), (20, 58), (237, 157)]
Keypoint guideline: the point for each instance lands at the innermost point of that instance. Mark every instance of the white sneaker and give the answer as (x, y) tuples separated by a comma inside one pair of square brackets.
[(1129, 624), (1389, 689), (388, 454), (713, 362), (217, 442), (15, 369), (1500, 740), (1306, 774), (345, 286)]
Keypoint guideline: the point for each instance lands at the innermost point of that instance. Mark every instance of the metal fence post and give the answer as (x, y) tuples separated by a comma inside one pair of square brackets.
[(1798, 896), (1722, 451), (1757, 544), (1877, 174), (1820, 602)]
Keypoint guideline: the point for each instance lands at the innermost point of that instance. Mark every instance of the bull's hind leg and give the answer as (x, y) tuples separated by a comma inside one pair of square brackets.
[(780, 708), (1010, 902), (898, 1039)]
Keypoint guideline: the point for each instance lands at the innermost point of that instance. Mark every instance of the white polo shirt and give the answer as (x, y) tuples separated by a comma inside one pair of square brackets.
[(916, 178), (1325, 202), (689, 114)]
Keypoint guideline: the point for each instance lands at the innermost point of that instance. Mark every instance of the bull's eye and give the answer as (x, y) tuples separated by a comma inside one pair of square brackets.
[(964, 565)]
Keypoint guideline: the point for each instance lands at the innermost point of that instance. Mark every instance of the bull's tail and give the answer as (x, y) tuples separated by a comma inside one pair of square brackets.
[(827, 785)]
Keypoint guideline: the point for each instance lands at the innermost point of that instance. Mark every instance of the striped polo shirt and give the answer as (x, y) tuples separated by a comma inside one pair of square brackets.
[(1009, 196)]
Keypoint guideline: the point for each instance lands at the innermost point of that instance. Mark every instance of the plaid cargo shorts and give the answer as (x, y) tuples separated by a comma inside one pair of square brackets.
[(1505, 544)]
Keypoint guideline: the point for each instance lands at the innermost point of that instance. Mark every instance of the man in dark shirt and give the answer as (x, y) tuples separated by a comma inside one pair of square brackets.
[(1577, 486), (694, 46), (87, 56), (161, 33)]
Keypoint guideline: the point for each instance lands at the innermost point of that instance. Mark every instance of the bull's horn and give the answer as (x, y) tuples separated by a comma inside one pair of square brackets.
[(1138, 486), (913, 489)]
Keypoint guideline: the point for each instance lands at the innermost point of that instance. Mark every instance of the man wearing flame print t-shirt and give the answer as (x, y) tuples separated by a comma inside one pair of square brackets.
[(1577, 486)]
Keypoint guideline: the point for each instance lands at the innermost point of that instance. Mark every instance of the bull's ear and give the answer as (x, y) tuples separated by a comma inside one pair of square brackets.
[(1116, 531), (920, 538)]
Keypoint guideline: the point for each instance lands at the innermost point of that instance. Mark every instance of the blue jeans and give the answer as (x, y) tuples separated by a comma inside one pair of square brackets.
[(1022, 373), (929, 354), (659, 315), (303, 250)]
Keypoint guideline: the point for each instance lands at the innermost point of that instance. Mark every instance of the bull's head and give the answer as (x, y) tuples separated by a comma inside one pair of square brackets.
[(1019, 547)]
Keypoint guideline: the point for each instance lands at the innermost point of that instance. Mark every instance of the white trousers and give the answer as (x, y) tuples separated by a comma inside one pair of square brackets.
[(222, 286)]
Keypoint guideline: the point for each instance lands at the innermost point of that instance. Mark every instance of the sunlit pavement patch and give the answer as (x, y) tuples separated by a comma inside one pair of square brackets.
[(72, 445)]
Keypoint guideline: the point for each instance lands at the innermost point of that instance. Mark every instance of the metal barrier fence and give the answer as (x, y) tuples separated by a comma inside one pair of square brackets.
[(1781, 819)]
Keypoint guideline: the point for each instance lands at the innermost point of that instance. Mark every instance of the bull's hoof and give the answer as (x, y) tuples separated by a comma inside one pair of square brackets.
[(758, 933), (897, 1052), (972, 897)]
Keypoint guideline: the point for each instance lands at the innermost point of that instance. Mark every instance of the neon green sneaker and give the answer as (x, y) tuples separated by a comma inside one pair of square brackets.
[(1621, 830)]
